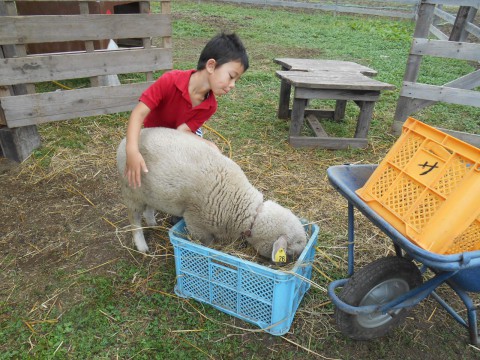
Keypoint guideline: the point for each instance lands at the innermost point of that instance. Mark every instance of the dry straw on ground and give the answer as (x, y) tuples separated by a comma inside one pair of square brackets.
[(67, 216)]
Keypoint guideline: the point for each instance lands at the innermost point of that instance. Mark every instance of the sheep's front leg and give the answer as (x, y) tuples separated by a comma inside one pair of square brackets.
[(149, 215), (135, 217)]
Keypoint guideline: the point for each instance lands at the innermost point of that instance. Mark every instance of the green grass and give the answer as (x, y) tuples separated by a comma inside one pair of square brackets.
[(130, 311), (380, 43), (116, 319)]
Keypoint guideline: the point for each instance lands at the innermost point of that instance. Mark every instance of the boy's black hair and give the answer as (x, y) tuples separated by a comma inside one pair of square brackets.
[(223, 48)]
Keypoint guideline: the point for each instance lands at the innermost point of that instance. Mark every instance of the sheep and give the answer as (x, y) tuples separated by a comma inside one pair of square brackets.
[(190, 179)]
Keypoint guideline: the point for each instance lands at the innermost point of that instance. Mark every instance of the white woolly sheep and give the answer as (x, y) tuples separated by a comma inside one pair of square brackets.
[(188, 178)]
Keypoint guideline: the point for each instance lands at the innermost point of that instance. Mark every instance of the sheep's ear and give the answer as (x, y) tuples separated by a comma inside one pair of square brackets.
[(279, 251)]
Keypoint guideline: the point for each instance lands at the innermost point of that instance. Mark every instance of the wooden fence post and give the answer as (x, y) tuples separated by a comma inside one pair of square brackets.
[(415, 96), (16, 144)]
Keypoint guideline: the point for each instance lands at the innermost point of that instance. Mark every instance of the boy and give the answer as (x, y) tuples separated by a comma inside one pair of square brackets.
[(185, 99)]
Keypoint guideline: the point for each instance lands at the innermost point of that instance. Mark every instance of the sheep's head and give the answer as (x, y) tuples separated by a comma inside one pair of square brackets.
[(277, 228)]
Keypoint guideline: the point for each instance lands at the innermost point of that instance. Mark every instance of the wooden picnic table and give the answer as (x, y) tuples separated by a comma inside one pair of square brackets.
[(327, 80)]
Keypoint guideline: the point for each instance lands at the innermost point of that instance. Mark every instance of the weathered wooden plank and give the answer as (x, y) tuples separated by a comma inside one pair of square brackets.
[(332, 80), (468, 82), (444, 15), (33, 109), (331, 143), (284, 100), (422, 29), (144, 7), (321, 114), (473, 29), (315, 125), (334, 94), (409, 14), (298, 114), (474, 3), (166, 8), (294, 64), (340, 107), (4, 91), (54, 28), (449, 49), (60, 1), (89, 45), (460, 22), (364, 119), (438, 33), (441, 93), (17, 144), (470, 27), (472, 139), (79, 65), (400, 2)]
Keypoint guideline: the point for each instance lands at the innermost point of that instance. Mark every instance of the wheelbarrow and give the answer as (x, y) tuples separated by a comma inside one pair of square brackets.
[(376, 298)]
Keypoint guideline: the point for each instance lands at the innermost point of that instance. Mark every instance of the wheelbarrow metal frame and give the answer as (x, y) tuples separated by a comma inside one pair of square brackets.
[(346, 179)]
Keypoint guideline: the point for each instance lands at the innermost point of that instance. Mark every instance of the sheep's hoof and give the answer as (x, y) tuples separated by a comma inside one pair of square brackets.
[(143, 250), (142, 247)]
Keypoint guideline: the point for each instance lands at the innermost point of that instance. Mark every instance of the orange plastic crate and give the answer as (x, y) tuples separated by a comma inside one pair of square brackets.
[(428, 188)]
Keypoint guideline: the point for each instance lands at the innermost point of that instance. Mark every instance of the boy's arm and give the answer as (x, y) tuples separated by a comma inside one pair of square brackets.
[(135, 162), (185, 128)]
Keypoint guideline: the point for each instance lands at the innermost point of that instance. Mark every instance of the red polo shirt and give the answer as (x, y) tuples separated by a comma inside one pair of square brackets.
[(170, 104)]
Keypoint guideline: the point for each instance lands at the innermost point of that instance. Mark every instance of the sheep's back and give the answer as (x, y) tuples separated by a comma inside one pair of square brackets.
[(180, 159), (190, 167), (204, 179)]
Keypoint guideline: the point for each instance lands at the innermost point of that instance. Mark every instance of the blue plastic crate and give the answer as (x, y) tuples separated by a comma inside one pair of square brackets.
[(265, 297)]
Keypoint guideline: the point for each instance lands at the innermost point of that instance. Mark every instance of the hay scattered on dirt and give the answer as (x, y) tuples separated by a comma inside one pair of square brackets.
[(62, 210)]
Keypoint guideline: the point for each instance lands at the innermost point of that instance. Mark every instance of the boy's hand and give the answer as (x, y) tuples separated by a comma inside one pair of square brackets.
[(134, 168)]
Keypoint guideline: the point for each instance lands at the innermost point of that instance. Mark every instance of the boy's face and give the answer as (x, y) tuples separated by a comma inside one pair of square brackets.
[(222, 78)]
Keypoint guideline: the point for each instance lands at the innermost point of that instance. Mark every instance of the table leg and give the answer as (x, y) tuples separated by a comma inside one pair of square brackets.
[(364, 119), (298, 114), (284, 101), (340, 106)]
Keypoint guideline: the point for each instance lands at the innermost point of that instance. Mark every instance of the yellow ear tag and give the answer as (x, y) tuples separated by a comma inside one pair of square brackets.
[(281, 256)]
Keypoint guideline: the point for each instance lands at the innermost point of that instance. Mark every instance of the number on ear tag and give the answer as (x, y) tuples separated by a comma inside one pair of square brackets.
[(281, 256)]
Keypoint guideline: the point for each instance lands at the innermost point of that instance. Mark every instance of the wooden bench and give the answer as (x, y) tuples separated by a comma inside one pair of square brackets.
[(327, 80)]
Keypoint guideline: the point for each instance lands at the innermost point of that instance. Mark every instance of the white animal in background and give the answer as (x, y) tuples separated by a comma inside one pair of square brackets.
[(188, 178)]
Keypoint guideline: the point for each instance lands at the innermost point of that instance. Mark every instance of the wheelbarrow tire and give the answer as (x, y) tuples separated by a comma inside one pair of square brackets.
[(377, 283)]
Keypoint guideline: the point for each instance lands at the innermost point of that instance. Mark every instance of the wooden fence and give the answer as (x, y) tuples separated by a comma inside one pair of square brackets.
[(461, 43), (391, 8), (21, 108)]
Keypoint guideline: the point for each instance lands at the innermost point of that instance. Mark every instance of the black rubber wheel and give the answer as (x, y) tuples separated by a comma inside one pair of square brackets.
[(377, 283)]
